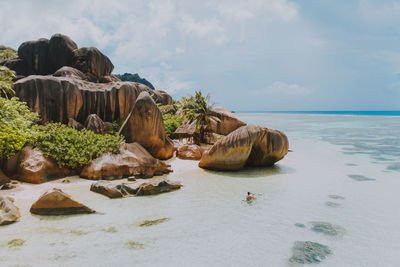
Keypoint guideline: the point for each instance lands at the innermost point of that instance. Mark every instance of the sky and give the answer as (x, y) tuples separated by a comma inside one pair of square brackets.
[(249, 55)]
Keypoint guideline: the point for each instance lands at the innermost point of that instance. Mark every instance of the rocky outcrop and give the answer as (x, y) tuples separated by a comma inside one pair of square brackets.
[(60, 53), (56, 202), (145, 125), (9, 213), (58, 99), (129, 77), (3, 179), (132, 160), (161, 97), (192, 152), (95, 124), (112, 190), (71, 73), (91, 61), (227, 121), (31, 166), (247, 146), (34, 55)]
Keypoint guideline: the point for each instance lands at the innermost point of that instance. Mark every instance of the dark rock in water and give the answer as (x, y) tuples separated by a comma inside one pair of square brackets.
[(360, 178), (145, 125), (108, 189), (152, 222), (60, 52), (248, 145), (56, 202), (113, 190), (332, 204), (307, 252), (75, 125), (336, 197), (95, 124), (92, 62), (129, 77), (326, 228), (351, 164), (300, 225), (9, 213)]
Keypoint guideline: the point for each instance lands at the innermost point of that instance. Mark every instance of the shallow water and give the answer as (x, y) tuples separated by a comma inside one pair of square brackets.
[(208, 222)]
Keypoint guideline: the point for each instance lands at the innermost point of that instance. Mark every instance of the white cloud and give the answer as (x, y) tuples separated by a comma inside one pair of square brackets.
[(281, 88)]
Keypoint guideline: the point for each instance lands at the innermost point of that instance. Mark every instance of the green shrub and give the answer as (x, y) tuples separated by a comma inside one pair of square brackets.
[(7, 52), (171, 123), (6, 82), (72, 148), (16, 126), (116, 125)]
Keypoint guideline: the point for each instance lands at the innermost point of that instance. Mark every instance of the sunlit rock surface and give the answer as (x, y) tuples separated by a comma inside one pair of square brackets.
[(9, 213)]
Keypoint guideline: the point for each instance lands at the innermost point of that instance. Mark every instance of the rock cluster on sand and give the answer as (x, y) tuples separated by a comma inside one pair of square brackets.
[(113, 190), (56, 202), (9, 213), (227, 122), (132, 160), (31, 166), (247, 146), (145, 125)]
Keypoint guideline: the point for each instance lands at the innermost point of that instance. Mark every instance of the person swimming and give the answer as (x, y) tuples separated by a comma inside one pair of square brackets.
[(250, 197)]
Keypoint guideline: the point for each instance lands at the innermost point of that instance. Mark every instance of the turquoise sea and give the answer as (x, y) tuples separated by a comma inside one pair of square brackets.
[(334, 199)]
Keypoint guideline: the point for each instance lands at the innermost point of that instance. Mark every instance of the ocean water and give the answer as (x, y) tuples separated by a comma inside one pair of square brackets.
[(334, 199)]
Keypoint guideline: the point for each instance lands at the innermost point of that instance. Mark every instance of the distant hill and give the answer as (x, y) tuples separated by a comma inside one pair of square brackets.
[(129, 77), (7, 52)]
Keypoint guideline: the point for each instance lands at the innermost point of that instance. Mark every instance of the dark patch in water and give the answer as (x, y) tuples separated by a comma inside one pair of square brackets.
[(300, 225), (333, 204), (351, 164), (394, 167), (336, 197), (326, 228), (360, 178), (307, 252)]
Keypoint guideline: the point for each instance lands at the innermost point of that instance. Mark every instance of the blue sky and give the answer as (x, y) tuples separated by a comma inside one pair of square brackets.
[(250, 55)]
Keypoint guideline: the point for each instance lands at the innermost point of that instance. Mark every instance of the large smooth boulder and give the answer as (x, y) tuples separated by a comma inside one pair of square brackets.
[(34, 54), (192, 152), (31, 166), (60, 53), (15, 64), (9, 213), (227, 121), (132, 160), (70, 72), (95, 124), (247, 146), (56, 202), (145, 125), (58, 99), (91, 61), (138, 188)]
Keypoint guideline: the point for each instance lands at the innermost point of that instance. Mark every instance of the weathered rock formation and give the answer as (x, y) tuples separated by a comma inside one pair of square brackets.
[(56, 202), (9, 213), (192, 152), (91, 61), (227, 121), (95, 124), (161, 97), (75, 125), (58, 99), (112, 190), (247, 146), (31, 166), (145, 125), (132, 160), (3, 179), (129, 77)]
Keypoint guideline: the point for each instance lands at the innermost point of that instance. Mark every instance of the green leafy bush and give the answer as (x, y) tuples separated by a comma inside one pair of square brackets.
[(171, 123), (16, 126), (72, 148), (7, 52), (6, 82)]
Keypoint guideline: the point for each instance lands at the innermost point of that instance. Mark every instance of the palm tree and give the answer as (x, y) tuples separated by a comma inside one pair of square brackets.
[(195, 110), (6, 82)]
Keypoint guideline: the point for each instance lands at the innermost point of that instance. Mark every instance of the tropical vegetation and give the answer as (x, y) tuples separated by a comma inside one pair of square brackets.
[(6, 82), (7, 52)]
